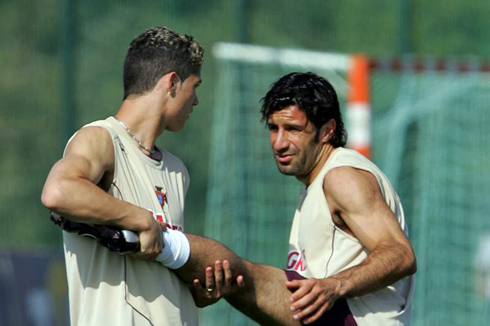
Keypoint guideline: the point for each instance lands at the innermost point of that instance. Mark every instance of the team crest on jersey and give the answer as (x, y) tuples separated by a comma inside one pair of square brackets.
[(162, 196)]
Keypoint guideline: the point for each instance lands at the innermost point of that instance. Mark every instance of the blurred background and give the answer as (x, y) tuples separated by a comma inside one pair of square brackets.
[(429, 85)]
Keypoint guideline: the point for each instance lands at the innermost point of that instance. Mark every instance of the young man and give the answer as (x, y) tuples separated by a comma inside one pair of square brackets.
[(113, 174)]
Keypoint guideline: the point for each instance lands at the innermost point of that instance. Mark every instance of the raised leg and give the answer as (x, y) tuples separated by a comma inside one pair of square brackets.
[(265, 297)]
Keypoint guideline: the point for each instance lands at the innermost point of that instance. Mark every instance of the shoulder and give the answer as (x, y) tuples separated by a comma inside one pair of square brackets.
[(342, 177), (347, 169), (90, 136), (92, 142), (347, 185), (348, 157)]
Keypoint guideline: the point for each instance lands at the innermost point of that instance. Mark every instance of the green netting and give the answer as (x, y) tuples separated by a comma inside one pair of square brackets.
[(433, 144), (430, 135)]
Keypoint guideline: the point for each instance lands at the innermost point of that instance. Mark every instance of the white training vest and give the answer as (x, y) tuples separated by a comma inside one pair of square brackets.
[(319, 249), (114, 290)]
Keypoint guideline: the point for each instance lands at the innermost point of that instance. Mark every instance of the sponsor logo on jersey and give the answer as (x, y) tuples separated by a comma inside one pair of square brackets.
[(296, 261)]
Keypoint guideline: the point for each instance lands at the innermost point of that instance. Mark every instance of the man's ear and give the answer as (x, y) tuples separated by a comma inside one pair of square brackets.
[(327, 131), (168, 83), (174, 80)]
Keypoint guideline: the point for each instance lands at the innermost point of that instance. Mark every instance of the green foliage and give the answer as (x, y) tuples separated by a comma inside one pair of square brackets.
[(31, 83), (451, 27)]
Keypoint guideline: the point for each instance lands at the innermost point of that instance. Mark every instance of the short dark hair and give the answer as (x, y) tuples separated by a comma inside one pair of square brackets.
[(313, 94), (155, 53)]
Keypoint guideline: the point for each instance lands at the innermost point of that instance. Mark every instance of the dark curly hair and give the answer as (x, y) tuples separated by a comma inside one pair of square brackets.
[(155, 53), (313, 94)]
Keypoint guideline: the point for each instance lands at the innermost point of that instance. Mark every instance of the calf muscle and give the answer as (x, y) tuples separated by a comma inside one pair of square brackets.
[(265, 297), (266, 300)]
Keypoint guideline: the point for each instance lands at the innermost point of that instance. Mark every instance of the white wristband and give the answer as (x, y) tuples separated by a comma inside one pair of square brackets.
[(176, 250)]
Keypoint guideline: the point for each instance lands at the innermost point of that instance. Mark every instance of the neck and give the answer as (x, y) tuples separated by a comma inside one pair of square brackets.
[(136, 139), (322, 158), (141, 122)]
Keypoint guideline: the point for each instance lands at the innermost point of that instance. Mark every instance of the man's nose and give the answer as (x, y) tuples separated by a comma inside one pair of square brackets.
[(280, 142)]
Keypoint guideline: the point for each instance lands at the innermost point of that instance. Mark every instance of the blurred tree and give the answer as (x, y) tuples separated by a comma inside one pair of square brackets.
[(31, 79)]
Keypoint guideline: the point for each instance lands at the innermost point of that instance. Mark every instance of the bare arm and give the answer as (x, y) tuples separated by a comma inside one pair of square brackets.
[(354, 196), (360, 204), (72, 190)]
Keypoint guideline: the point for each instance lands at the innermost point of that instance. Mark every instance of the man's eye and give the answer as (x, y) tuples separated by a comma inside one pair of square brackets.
[(271, 127)]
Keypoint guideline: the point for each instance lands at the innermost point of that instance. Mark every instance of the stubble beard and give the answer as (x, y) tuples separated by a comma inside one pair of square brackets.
[(286, 170), (293, 168), (300, 166)]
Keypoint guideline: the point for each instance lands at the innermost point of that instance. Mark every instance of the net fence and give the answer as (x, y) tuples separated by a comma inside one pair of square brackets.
[(432, 141)]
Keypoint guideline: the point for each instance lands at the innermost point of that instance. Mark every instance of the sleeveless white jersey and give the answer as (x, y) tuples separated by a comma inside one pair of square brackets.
[(109, 289), (319, 249)]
